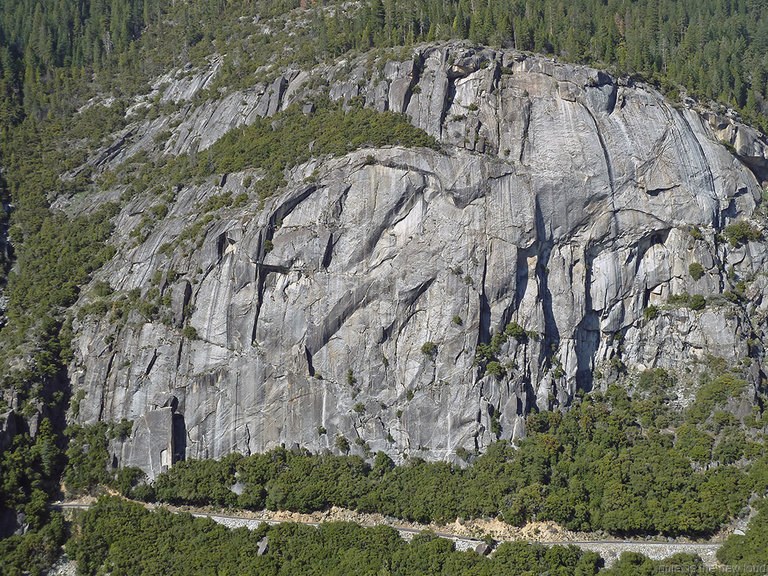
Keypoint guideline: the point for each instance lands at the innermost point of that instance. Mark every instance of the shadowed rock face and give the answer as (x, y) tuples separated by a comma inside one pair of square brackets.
[(562, 201)]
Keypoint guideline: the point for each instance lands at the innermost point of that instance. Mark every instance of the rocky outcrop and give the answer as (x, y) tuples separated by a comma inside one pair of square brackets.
[(353, 303), (745, 142)]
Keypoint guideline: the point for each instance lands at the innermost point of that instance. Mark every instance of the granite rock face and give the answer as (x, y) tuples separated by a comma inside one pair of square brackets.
[(353, 303)]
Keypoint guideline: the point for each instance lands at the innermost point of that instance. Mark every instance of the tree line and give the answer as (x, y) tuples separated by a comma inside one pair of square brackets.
[(614, 462)]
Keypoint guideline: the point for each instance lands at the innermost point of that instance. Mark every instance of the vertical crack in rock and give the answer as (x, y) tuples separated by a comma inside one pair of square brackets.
[(526, 116), (495, 83), (601, 140), (610, 106), (328, 253), (247, 440), (703, 167), (332, 217), (310, 367), (179, 436), (448, 96), (103, 390), (221, 244), (261, 275), (367, 293), (151, 363), (484, 334), (544, 251), (587, 331), (318, 336), (415, 75)]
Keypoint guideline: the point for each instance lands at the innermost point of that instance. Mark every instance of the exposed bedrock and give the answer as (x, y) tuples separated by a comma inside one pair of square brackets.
[(562, 200)]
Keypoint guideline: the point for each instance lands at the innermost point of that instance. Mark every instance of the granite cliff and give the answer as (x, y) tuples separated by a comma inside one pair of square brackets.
[(565, 206)]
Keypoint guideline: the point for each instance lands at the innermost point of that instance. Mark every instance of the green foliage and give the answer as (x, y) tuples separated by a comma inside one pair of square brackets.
[(217, 202), (88, 461), (199, 482), (728, 146), (696, 233), (30, 468), (35, 551), (514, 330), (487, 354), (698, 302), (291, 137), (632, 564), (696, 443), (123, 538), (429, 349), (694, 302), (495, 424), (29, 477), (650, 312), (190, 332), (602, 465), (119, 305), (714, 394), (752, 548), (696, 270), (102, 289), (342, 444), (741, 232), (495, 369), (656, 382)]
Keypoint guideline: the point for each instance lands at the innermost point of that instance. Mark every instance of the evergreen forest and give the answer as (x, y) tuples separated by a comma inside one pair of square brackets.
[(623, 461)]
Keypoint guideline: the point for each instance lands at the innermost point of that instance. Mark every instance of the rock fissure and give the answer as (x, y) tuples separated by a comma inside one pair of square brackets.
[(587, 226)]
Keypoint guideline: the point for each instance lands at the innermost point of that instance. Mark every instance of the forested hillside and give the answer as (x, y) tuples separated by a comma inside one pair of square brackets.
[(588, 469), (49, 50)]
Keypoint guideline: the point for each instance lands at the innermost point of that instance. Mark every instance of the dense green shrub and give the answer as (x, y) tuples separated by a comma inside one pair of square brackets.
[(752, 548), (291, 137), (742, 232), (697, 302), (714, 394), (696, 270), (650, 312), (429, 349), (495, 368), (88, 459), (694, 302), (514, 330), (199, 482), (35, 551), (696, 233)]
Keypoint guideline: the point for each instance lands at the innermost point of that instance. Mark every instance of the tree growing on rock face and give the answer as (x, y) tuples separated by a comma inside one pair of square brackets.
[(696, 270), (651, 312), (342, 444), (698, 302), (495, 368), (429, 349), (742, 232)]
